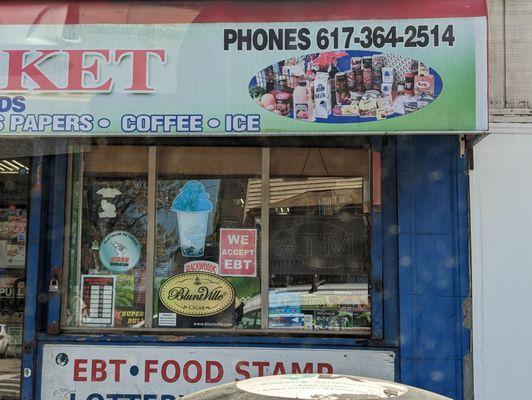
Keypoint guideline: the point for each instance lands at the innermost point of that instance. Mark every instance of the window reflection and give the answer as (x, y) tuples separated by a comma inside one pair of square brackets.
[(171, 237), (203, 220), (319, 242)]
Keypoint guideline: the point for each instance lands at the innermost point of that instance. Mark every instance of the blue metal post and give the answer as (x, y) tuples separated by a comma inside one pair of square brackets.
[(390, 231), (376, 255), (29, 344), (56, 236)]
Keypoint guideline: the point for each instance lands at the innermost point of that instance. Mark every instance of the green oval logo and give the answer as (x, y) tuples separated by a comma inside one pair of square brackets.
[(120, 251), (196, 294)]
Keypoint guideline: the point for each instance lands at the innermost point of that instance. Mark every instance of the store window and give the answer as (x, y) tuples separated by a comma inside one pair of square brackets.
[(319, 235), (107, 287), (216, 237), (14, 207), (203, 219)]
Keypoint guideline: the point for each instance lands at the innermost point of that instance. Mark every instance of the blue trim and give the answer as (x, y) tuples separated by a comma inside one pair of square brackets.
[(462, 251), (56, 239), (225, 340), (32, 278), (390, 243), (38, 374), (433, 262), (376, 259)]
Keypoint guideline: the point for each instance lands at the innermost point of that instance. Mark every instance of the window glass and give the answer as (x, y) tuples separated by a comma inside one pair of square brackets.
[(207, 262), (112, 212), (14, 206), (319, 259), (170, 237)]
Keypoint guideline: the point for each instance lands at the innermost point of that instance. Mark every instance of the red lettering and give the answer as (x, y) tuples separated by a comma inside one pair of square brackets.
[(186, 371), (324, 368), (77, 70), (98, 373), (139, 79), (238, 368), (164, 371), (78, 369), (307, 369), (210, 365), (117, 365), (279, 369), (119, 259), (17, 70), (149, 369), (261, 365)]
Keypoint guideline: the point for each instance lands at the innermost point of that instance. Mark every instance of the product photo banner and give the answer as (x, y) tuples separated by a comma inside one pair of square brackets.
[(245, 78)]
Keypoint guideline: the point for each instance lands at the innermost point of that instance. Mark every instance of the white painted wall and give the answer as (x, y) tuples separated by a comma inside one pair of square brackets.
[(501, 223), (510, 39)]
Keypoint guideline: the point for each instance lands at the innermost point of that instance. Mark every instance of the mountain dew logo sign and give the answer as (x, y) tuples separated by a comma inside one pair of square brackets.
[(120, 251)]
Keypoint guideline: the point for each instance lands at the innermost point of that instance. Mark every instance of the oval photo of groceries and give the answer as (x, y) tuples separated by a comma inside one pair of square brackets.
[(346, 87)]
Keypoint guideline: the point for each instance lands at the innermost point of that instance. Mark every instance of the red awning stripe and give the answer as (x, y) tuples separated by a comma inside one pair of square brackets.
[(23, 12)]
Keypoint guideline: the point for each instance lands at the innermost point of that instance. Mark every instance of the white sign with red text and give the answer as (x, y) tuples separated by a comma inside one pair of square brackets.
[(238, 252), (201, 266), (100, 372)]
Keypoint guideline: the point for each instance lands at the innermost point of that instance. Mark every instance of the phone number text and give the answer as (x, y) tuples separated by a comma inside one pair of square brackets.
[(347, 37)]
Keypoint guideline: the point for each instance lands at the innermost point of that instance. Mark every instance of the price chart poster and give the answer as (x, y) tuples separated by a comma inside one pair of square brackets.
[(98, 300)]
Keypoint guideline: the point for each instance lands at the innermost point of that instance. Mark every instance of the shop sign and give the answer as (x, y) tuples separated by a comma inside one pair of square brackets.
[(130, 318), (13, 222), (196, 294), (238, 252), (202, 266), (8, 289), (120, 251), (323, 244), (88, 372), (238, 78), (98, 300)]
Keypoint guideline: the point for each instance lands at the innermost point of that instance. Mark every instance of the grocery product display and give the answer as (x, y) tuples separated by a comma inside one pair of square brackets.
[(346, 87)]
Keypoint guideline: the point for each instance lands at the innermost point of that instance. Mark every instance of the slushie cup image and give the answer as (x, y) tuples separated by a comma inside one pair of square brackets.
[(192, 206)]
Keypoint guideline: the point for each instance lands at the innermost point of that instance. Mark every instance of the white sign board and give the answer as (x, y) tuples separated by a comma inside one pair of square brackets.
[(98, 372)]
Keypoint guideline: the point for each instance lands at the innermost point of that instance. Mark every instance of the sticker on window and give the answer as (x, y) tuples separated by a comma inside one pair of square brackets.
[(120, 251), (197, 294)]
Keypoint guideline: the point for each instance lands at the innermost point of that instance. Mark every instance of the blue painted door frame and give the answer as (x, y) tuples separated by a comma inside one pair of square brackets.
[(419, 244), (433, 262), (44, 257), (34, 257)]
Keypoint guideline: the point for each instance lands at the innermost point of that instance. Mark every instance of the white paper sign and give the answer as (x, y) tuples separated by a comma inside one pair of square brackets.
[(98, 372), (308, 387)]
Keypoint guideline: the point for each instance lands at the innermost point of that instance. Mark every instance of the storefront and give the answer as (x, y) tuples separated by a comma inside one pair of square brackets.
[(221, 190)]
